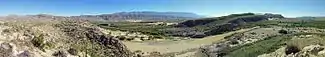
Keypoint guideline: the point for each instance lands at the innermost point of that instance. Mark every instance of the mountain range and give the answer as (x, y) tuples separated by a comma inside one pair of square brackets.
[(141, 15)]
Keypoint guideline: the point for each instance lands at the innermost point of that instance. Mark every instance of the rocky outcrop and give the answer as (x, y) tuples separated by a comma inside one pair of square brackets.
[(308, 51), (105, 46), (260, 34), (222, 48), (6, 50)]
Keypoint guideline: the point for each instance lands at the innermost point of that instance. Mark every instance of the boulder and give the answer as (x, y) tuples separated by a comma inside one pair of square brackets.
[(313, 48), (25, 54), (6, 50)]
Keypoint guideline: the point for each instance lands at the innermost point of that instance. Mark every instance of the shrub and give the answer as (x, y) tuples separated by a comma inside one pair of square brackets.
[(59, 54), (233, 41), (103, 24), (129, 39), (253, 33), (283, 31), (138, 51), (73, 51), (121, 37), (291, 49), (38, 41), (6, 31), (158, 37)]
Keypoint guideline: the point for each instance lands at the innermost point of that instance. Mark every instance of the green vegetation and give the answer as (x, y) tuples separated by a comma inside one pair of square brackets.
[(91, 48), (283, 31), (144, 28), (40, 43), (302, 42), (73, 51), (259, 47), (291, 49), (291, 23)]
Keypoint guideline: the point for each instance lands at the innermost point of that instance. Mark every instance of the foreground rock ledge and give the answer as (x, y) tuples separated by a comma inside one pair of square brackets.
[(57, 38)]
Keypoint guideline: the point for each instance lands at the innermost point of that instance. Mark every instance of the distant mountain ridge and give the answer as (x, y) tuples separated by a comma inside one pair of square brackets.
[(180, 14), (141, 15)]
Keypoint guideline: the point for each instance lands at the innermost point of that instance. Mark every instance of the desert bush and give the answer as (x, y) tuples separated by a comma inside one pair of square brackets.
[(158, 37), (283, 31), (138, 51), (129, 39), (233, 41), (73, 51), (291, 49), (40, 43), (6, 31), (253, 33), (121, 37), (59, 54)]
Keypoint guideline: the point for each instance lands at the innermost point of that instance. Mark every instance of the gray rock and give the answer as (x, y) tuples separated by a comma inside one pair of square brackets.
[(25, 54), (6, 50)]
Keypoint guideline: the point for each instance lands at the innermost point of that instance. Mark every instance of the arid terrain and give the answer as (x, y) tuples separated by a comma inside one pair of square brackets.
[(162, 28), (235, 35)]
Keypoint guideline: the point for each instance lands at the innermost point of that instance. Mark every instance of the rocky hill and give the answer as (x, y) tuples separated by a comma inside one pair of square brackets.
[(211, 26)]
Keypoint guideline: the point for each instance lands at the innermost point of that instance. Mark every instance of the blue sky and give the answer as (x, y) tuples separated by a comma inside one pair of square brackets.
[(290, 8)]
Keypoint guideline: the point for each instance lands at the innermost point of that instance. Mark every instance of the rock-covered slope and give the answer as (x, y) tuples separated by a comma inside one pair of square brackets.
[(259, 41), (57, 38)]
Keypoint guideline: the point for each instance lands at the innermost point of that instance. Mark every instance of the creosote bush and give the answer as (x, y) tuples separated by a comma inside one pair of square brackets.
[(6, 31), (40, 43), (291, 49), (59, 54), (283, 31), (73, 51), (121, 37), (129, 39)]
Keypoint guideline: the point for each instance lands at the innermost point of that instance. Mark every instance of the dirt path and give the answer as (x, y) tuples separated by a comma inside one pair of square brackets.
[(177, 46)]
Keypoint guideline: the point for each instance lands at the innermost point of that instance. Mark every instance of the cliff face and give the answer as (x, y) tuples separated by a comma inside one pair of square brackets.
[(57, 38), (192, 23)]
